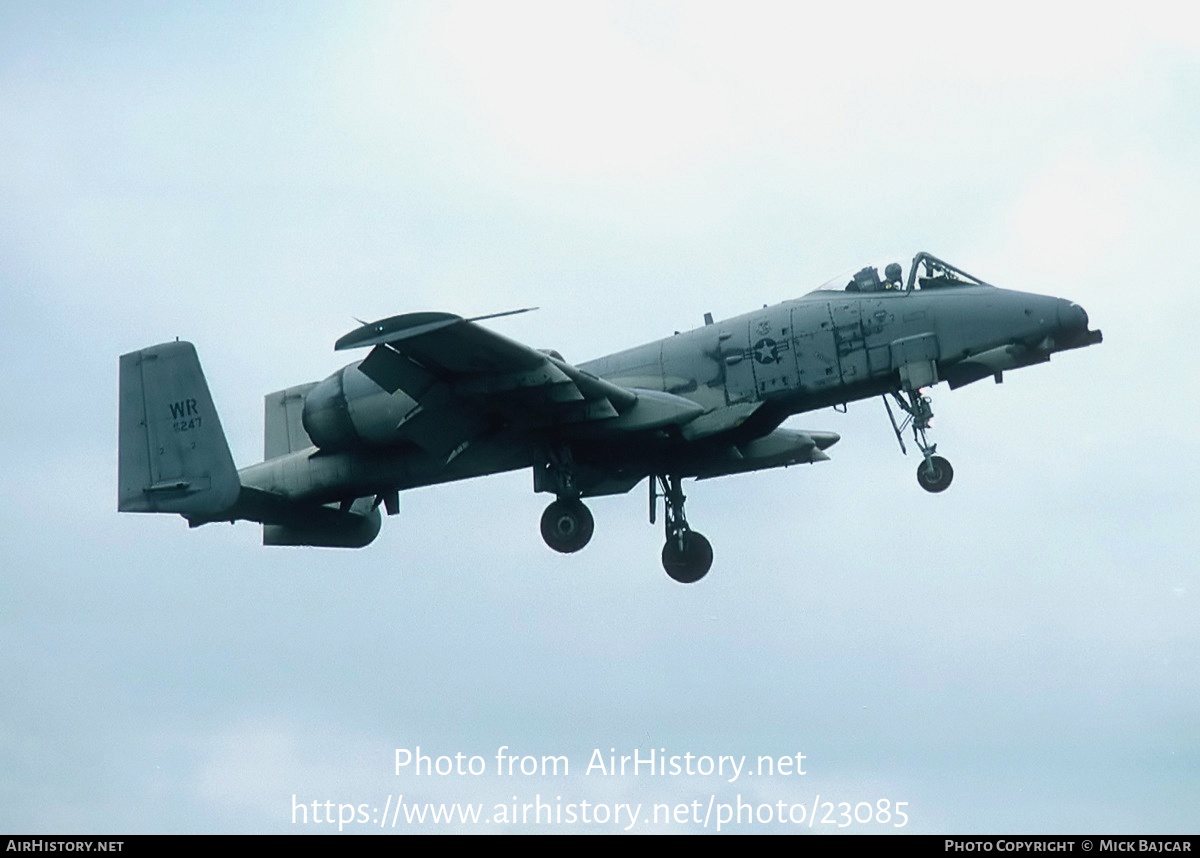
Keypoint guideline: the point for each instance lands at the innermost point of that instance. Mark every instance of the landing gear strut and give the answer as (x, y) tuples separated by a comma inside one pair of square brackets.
[(567, 525), (687, 555), (934, 473)]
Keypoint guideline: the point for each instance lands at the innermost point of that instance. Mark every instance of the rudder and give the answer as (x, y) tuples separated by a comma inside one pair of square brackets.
[(172, 452)]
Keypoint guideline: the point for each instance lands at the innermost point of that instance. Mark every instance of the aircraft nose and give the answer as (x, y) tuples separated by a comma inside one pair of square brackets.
[(1072, 317)]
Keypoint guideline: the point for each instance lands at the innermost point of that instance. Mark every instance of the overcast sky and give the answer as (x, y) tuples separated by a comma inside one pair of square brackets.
[(1020, 654)]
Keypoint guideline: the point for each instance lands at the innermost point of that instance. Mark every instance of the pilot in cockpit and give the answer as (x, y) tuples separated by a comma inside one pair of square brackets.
[(867, 280), (895, 277)]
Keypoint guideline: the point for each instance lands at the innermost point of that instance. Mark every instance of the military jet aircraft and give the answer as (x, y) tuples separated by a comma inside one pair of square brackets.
[(439, 397)]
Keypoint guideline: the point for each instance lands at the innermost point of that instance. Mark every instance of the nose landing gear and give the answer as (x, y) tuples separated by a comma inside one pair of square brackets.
[(934, 474)]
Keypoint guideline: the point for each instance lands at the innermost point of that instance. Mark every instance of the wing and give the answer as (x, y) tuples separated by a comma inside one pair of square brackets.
[(466, 380)]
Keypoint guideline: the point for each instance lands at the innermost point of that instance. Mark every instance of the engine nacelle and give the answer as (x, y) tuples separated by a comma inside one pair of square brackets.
[(348, 410)]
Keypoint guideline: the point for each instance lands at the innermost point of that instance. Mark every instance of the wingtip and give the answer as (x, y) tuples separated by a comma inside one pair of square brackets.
[(394, 328)]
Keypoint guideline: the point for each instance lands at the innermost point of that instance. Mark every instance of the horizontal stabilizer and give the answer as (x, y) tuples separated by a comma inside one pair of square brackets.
[(326, 526), (351, 531)]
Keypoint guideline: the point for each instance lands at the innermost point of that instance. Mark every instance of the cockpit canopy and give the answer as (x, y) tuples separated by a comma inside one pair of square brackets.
[(926, 272)]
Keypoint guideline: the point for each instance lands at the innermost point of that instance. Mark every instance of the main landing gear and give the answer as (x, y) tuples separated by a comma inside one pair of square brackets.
[(567, 525), (687, 555), (934, 473)]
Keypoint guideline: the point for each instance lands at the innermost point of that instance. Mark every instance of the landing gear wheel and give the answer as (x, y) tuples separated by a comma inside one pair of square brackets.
[(935, 475), (567, 526), (690, 561)]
